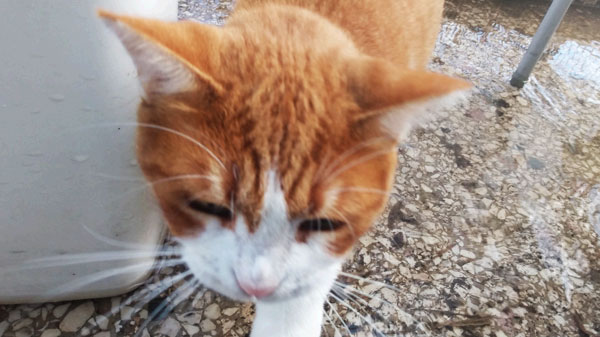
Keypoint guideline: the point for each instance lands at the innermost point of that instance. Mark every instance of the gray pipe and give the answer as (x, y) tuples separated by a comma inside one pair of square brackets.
[(549, 24)]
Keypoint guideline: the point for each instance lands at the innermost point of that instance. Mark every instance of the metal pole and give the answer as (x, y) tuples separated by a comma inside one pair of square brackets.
[(549, 24)]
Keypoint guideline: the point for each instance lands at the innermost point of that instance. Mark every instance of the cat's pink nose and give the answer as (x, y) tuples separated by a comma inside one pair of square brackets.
[(257, 279), (257, 291)]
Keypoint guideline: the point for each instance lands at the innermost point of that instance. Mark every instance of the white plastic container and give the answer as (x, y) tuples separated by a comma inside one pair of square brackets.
[(65, 165)]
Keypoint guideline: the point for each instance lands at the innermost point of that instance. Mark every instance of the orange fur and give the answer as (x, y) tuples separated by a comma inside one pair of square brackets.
[(298, 86)]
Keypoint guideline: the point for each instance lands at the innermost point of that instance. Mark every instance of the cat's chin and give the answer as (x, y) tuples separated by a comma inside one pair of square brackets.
[(214, 284), (243, 298), (287, 296), (275, 298), (240, 296)]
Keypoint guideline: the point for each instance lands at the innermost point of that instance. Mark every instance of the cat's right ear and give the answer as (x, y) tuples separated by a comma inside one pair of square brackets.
[(397, 99), (170, 57)]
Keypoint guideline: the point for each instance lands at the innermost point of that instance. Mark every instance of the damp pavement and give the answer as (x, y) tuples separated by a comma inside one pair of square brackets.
[(493, 225)]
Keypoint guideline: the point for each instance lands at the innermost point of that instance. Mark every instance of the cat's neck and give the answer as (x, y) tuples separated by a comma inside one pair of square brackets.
[(402, 32)]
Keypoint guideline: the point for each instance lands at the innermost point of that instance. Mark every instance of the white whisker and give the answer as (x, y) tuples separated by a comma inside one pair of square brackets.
[(149, 295), (165, 180), (357, 162), (339, 317), (325, 330), (360, 190), (176, 297), (68, 260), (105, 274), (343, 287), (329, 167), (118, 178), (345, 219), (356, 299), (332, 323), (120, 244), (339, 291), (370, 281), (167, 283), (182, 177), (357, 313), (169, 130)]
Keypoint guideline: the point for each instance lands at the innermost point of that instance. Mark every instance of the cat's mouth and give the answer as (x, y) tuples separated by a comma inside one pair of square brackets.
[(298, 292), (236, 293), (285, 295), (284, 292)]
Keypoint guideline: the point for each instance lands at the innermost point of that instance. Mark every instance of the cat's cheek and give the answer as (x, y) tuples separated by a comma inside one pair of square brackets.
[(311, 264), (210, 263)]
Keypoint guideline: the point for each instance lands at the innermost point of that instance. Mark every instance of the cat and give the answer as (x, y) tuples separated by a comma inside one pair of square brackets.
[(277, 135)]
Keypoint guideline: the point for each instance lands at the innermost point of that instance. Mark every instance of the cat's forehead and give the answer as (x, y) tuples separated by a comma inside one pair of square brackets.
[(294, 138)]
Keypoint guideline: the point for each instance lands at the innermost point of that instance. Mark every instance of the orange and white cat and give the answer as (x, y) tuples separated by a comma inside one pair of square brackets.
[(277, 134)]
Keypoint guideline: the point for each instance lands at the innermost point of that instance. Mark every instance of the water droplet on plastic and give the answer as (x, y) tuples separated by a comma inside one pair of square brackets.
[(81, 158), (5, 105), (133, 162), (88, 77), (36, 111), (87, 108), (35, 154), (57, 98)]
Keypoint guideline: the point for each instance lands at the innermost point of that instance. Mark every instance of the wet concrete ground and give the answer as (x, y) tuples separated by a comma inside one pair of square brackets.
[(493, 227)]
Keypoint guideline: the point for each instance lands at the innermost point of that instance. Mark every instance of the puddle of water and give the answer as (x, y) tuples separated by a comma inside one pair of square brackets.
[(578, 62)]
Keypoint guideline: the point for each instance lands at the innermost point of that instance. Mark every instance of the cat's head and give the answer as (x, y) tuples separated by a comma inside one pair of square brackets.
[(271, 149)]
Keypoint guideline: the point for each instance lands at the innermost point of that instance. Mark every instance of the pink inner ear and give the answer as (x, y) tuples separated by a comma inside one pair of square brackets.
[(166, 62), (400, 121), (377, 84), (396, 99)]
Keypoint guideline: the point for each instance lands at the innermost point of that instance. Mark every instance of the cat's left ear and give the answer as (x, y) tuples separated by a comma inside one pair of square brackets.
[(397, 99), (170, 57)]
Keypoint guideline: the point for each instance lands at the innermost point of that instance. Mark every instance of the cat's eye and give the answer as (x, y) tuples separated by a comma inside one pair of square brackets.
[(320, 225), (210, 209)]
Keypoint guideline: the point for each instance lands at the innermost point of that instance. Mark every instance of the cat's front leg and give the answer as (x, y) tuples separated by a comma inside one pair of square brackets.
[(298, 317)]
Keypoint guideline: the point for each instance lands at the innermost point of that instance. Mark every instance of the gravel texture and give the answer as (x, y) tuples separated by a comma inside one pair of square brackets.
[(493, 226)]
